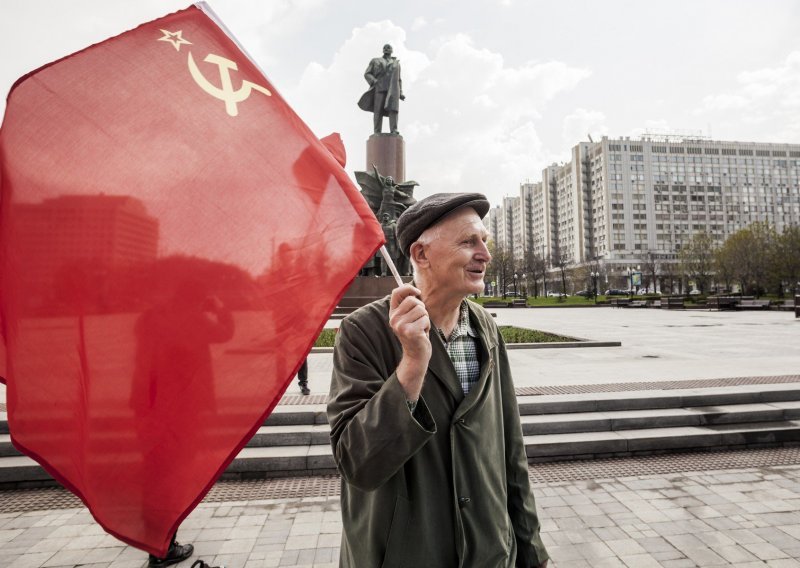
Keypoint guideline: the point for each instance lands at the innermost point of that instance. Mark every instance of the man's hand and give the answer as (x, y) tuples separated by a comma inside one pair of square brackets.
[(409, 321), (402, 97)]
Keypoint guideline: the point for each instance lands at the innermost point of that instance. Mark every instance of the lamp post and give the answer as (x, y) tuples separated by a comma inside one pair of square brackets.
[(544, 273), (524, 285), (595, 276), (630, 282), (515, 284)]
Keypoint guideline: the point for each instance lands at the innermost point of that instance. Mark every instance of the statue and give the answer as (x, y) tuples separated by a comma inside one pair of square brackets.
[(387, 200), (385, 90)]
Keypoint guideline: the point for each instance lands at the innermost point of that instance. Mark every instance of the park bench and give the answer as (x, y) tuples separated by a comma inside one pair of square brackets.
[(638, 304), (654, 303), (620, 302), (495, 304), (519, 303), (722, 303), (753, 305), (673, 303)]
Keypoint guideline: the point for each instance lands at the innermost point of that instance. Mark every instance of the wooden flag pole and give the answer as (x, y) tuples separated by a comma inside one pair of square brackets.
[(390, 264)]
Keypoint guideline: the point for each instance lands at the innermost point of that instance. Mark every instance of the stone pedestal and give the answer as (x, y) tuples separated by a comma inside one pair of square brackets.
[(366, 289), (388, 153)]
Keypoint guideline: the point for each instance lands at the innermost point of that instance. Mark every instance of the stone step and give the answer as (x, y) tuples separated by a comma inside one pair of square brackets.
[(319, 434), (295, 438), (311, 414), (659, 418), (306, 459), (649, 440), (654, 399)]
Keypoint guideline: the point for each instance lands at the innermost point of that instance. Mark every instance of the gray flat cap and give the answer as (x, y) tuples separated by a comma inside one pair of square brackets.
[(429, 211)]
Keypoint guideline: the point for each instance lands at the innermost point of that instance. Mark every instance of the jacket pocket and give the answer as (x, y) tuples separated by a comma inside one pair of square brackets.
[(395, 555)]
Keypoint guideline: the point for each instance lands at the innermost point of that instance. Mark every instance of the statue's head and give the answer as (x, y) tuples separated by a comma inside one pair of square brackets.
[(385, 218), (389, 180), (387, 50)]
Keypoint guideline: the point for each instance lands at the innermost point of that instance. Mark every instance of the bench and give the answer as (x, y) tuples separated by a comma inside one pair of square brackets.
[(495, 304), (721, 303), (620, 302), (638, 304), (519, 303), (753, 305), (654, 303), (673, 303)]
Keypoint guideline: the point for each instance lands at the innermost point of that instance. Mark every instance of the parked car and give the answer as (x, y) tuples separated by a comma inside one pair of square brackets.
[(616, 292), (552, 294), (695, 293), (583, 293)]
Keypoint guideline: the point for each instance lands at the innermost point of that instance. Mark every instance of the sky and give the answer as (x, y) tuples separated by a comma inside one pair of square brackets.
[(496, 90)]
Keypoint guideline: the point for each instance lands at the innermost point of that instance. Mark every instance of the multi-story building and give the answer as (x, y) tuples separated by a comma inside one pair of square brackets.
[(101, 231), (619, 200)]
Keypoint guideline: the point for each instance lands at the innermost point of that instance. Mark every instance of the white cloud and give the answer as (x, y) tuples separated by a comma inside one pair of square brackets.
[(418, 23), (469, 119), (581, 122), (768, 98)]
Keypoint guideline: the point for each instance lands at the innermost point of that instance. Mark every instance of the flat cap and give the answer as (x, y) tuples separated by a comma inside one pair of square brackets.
[(429, 211)]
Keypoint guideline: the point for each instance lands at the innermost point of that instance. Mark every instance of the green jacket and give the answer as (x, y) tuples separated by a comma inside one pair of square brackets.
[(445, 487)]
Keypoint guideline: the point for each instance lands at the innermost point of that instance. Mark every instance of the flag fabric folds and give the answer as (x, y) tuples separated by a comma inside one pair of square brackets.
[(173, 238)]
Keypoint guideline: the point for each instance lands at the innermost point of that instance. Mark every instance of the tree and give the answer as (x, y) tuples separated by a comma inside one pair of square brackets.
[(562, 261), (787, 258), (502, 266), (534, 268), (651, 266), (725, 265), (696, 260)]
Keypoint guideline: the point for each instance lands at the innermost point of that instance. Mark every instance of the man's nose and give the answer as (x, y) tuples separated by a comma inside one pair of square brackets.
[(483, 252)]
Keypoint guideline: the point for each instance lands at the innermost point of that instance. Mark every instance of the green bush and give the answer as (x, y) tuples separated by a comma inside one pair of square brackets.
[(513, 334), (326, 338)]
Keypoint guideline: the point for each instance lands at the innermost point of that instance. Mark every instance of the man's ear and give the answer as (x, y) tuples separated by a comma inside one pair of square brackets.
[(417, 252)]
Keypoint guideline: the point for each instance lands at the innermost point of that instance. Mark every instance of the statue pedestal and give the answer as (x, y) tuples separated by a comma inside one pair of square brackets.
[(388, 153), (366, 289)]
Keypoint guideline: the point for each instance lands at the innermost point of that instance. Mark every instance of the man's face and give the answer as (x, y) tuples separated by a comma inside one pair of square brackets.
[(387, 50), (458, 257)]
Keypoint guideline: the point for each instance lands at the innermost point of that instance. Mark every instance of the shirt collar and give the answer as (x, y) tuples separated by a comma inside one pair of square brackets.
[(463, 327)]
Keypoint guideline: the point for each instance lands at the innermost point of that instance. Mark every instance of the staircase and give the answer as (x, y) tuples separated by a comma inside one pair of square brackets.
[(294, 440)]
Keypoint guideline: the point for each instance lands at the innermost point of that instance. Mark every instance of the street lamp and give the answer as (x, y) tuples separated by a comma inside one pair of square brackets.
[(544, 273), (515, 284), (630, 282), (524, 285), (595, 276)]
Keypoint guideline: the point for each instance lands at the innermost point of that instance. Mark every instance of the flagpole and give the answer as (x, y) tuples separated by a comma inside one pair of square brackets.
[(390, 264)]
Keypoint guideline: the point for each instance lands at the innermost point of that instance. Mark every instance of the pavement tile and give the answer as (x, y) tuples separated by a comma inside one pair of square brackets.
[(765, 551), (640, 561)]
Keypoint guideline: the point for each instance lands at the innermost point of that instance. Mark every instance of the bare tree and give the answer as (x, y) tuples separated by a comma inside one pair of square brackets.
[(534, 268), (562, 261), (501, 267), (651, 266)]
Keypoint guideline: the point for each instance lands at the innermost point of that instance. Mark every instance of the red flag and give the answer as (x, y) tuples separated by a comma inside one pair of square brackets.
[(172, 239)]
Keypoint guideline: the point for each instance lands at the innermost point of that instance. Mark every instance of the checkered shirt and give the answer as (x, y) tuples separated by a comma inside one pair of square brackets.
[(462, 349)]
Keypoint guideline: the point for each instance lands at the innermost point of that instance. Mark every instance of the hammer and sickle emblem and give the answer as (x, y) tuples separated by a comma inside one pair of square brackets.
[(226, 93)]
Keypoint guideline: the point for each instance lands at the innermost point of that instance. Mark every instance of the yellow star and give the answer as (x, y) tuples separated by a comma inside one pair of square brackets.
[(175, 38)]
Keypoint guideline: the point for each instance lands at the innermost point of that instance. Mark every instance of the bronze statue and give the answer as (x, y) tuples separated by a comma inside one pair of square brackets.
[(387, 200), (385, 90)]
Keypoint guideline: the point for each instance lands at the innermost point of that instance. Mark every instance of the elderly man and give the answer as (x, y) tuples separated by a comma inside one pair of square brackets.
[(424, 421)]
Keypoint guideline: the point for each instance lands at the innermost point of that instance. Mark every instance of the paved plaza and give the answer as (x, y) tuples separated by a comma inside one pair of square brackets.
[(689, 510)]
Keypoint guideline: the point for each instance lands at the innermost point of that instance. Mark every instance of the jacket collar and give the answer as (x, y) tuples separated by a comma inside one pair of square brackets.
[(441, 366)]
